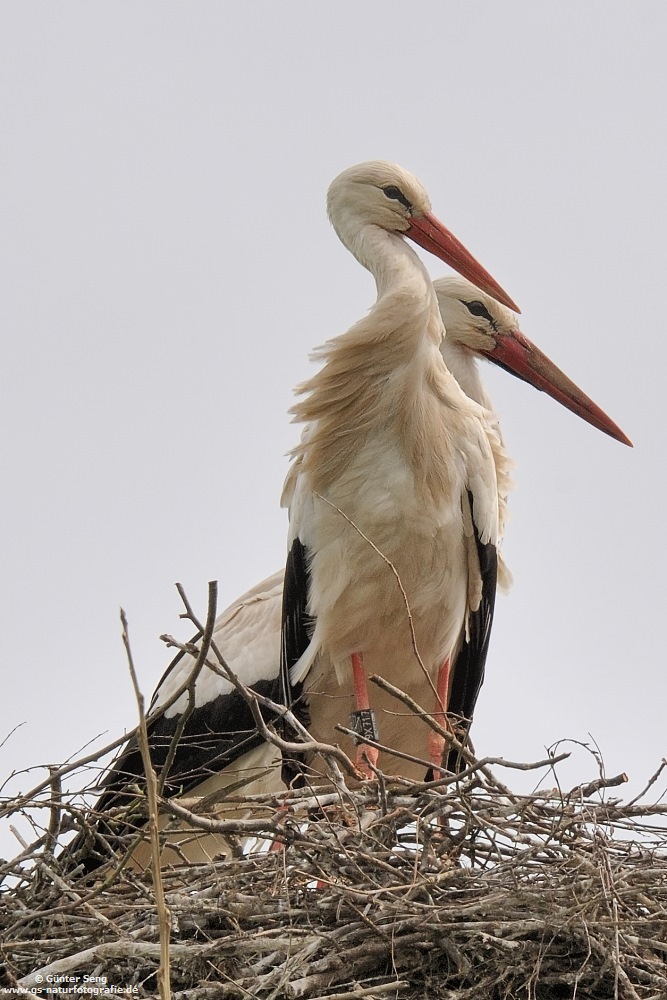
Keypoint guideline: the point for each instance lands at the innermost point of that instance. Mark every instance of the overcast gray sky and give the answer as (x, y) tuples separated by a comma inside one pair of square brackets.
[(168, 265)]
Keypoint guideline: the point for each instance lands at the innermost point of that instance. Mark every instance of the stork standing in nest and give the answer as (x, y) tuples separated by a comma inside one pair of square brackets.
[(394, 494)]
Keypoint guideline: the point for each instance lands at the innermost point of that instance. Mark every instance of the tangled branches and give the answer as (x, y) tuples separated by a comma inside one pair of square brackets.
[(393, 889), (460, 888)]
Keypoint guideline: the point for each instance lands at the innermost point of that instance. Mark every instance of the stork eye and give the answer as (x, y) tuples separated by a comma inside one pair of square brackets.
[(478, 309), (396, 194)]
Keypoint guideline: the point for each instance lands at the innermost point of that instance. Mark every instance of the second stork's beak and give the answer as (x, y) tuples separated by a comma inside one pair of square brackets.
[(519, 356)]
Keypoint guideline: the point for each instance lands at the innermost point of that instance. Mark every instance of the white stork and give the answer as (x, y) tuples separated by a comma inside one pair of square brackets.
[(219, 746), (394, 498)]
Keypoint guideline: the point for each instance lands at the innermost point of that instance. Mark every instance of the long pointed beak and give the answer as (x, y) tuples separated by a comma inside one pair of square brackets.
[(519, 356), (430, 234)]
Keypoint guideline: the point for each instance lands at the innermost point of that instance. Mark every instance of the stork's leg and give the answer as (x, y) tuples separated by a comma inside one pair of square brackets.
[(279, 816), (363, 718), (436, 743)]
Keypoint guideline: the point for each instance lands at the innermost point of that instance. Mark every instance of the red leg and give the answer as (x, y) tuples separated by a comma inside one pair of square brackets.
[(363, 705), (436, 743), (280, 816)]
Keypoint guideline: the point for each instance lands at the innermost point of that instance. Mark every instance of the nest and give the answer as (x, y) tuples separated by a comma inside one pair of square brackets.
[(458, 889)]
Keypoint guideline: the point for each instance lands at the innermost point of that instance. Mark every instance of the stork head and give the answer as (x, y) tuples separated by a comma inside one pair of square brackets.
[(478, 325), (383, 194)]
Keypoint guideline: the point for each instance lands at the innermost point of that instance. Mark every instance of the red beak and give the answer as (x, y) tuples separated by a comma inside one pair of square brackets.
[(430, 234), (517, 355)]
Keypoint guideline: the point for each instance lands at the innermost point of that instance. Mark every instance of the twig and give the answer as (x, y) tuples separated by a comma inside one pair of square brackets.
[(369, 991), (55, 813), (164, 917), (594, 786), (421, 713), (651, 781), (11, 733), (391, 751), (243, 827), (200, 660)]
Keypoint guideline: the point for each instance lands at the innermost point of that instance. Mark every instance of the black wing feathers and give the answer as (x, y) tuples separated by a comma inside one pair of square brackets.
[(297, 628), (471, 660), (297, 624), (213, 737)]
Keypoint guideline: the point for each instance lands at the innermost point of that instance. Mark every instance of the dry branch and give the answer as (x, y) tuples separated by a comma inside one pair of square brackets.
[(164, 917)]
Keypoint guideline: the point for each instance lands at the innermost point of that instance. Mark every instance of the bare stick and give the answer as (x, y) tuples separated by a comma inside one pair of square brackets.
[(369, 991), (446, 734), (194, 674), (473, 765), (11, 733), (55, 817), (383, 748), (164, 917), (651, 781), (243, 827), (599, 783)]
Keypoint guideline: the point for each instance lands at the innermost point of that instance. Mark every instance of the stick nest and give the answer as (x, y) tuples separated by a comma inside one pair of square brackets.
[(458, 890)]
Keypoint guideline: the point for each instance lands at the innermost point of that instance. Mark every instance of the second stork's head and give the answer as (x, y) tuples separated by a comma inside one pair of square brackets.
[(478, 326)]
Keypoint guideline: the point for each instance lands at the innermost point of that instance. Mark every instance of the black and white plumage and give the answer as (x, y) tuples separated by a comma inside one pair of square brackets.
[(394, 495), (219, 746)]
